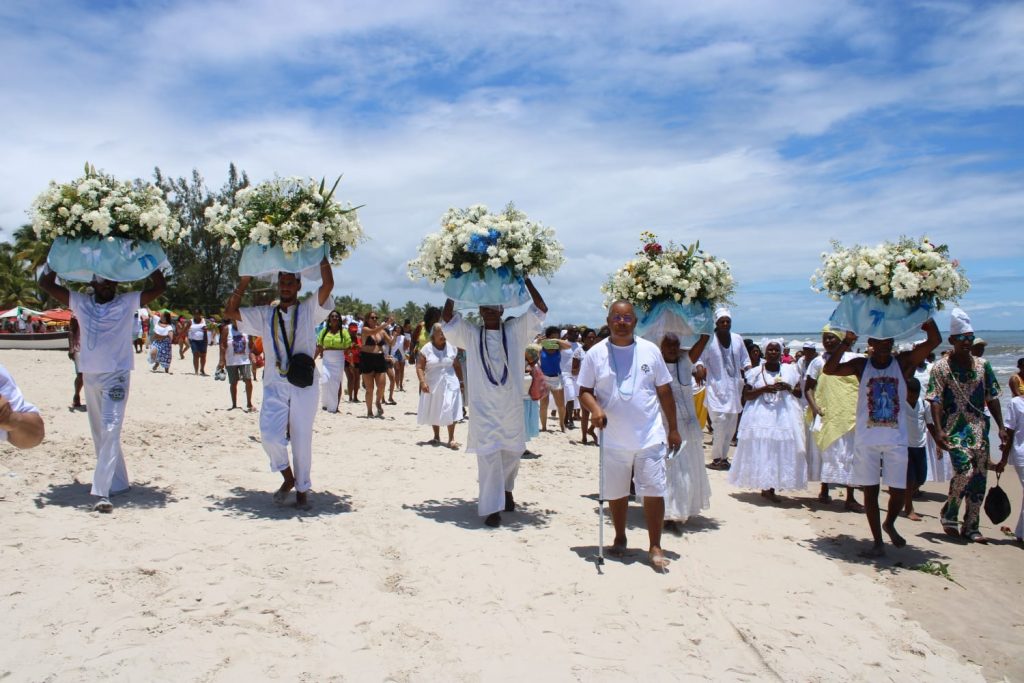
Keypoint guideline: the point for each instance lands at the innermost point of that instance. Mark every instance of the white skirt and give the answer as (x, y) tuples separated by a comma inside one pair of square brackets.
[(771, 451), (442, 406), (689, 490)]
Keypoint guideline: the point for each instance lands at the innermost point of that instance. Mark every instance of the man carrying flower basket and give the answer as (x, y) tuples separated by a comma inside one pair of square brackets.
[(495, 364)]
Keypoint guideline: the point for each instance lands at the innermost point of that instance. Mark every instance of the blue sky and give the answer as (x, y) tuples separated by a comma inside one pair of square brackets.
[(763, 129)]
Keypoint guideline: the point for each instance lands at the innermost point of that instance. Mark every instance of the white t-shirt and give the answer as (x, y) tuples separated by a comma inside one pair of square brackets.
[(575, 351), (496, 410), (725, 368), (105, 331), (917, 419), (197, 330), (1015, 421), (10, 391), (259, 320), (625, 381), (237, 351)]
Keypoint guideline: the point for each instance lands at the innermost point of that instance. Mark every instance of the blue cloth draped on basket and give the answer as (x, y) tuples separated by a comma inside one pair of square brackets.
[(868, 316), (687, 321), (498, 287), (117, 259), (267, 261)]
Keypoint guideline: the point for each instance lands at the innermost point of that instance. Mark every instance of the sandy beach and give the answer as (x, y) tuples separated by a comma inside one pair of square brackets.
[(197, 575)]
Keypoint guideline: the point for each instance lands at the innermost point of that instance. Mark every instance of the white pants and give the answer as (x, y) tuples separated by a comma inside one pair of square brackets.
[(331, 376), (106, 396), (724, 425), (496, 473), (1019, 533), (287, 415)]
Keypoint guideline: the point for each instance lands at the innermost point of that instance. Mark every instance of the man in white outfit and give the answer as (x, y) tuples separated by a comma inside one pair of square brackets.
[(105, 359), (288, 411), (627, 388), (21, 425), (725, 359), (495, 364)]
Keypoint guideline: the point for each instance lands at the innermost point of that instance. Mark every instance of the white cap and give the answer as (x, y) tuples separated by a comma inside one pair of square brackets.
[(722, 312), (959, 322)]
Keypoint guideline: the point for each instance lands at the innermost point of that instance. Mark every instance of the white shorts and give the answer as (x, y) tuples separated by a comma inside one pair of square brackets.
[(647, 466), (554, 383), (887, 462), (569, 386)]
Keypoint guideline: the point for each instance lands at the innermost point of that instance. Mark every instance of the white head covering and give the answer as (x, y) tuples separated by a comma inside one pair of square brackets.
[(722, 312), (959, 322), (773, 340)]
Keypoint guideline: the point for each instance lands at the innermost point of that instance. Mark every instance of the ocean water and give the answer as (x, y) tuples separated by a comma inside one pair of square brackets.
[(1004, 348)]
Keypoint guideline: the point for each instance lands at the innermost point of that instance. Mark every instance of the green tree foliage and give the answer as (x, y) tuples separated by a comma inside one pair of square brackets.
[(17, 286), (205, 271)]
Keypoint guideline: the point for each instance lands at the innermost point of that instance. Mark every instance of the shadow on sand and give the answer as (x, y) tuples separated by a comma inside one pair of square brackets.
[(633, 555), (463, 513), (847, 548), (260, 504), (141, 495)]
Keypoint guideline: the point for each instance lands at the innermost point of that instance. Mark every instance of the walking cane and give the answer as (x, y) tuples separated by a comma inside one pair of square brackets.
[(600, 499)]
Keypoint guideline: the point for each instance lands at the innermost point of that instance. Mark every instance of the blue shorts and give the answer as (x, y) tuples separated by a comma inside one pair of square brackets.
[(197, 346), (917, 466)]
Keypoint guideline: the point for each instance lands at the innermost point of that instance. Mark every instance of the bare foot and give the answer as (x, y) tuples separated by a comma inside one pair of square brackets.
[(281, 495), (913, 516), (493, 520), (894, 536), (854, 506), (454, 445), (658, 560), (618, 548), (302, 500)]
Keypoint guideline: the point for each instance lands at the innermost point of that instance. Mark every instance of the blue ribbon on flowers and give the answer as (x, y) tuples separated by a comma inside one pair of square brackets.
[(869, 316)]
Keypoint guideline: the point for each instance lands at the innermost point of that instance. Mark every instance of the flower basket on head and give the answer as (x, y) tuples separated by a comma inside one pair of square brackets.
[(286, 225), (100, 226), (674, 289), (483, 258), (890, 290)]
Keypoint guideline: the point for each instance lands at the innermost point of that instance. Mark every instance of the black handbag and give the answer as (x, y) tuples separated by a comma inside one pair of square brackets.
[(997, 504), (300, 365)]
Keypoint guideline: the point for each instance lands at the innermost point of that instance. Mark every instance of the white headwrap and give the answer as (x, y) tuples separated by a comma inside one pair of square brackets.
[(773, 340), (959, 322), (722, 312)]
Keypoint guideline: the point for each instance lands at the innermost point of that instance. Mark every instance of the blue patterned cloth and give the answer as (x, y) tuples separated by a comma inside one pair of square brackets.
[(869, 317), (686, 321)]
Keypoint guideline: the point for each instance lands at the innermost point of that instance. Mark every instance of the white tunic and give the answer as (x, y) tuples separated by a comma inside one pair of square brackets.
[(259, 321), (105, 331), (689, 491), (724, 386), (443, 405), (496, 421)]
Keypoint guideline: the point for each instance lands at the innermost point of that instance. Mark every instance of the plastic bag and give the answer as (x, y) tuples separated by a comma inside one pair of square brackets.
[(115, 258), (496, 288)]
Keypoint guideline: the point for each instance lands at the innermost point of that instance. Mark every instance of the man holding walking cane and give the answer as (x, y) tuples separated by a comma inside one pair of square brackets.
[(626, 386)]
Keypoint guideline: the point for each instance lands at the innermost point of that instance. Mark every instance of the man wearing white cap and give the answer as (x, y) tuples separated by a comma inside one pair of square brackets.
[(960, 388), (495, 364), (725, 359), (880, 434), (105, 360), (289, 408)]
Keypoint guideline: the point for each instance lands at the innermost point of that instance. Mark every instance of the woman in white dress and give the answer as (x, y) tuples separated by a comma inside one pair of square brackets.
[(689, 491), (440, 376), (771, 445)]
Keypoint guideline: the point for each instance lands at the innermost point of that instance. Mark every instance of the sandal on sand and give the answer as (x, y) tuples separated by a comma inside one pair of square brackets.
[(976, 537), (950, 529), (104, 505)]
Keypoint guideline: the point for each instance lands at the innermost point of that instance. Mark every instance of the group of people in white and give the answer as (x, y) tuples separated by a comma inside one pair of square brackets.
[(844, 419)]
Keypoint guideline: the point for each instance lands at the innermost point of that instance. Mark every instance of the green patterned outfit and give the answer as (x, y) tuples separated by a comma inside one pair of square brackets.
[(962, 393)]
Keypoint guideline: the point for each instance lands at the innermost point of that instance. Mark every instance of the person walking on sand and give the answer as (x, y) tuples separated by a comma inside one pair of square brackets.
[(626, 386), (235, 358), (288, 411), (960, 388), (440, 382), (495, 364), (724, 360), (880, 449), (106, 359)]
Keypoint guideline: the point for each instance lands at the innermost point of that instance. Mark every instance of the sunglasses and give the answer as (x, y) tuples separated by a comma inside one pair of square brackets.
[(963, 337), (622, 319)]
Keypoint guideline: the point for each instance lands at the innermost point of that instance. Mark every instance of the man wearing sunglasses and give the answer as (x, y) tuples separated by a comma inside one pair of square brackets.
[(960, 388), (626, 387), (495, 364)]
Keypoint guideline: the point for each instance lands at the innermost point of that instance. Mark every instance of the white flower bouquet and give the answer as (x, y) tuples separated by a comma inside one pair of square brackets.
[(674, 289), (286, 224), (99, 205), (658, 273), (890, 290), (98, 225), (482, 257), (909, 270)]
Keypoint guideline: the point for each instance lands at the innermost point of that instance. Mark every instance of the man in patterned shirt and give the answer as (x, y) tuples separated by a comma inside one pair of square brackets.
[(959, 389)]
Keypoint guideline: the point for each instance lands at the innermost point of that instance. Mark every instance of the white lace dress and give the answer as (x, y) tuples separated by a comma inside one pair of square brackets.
[(689, 491), (771, 444)]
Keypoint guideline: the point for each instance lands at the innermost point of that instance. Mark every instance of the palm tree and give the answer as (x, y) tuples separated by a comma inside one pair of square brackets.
[(30, 248), (17, 286)]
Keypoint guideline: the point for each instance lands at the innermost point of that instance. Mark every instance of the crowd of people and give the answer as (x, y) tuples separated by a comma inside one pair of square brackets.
[(892, 416)]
